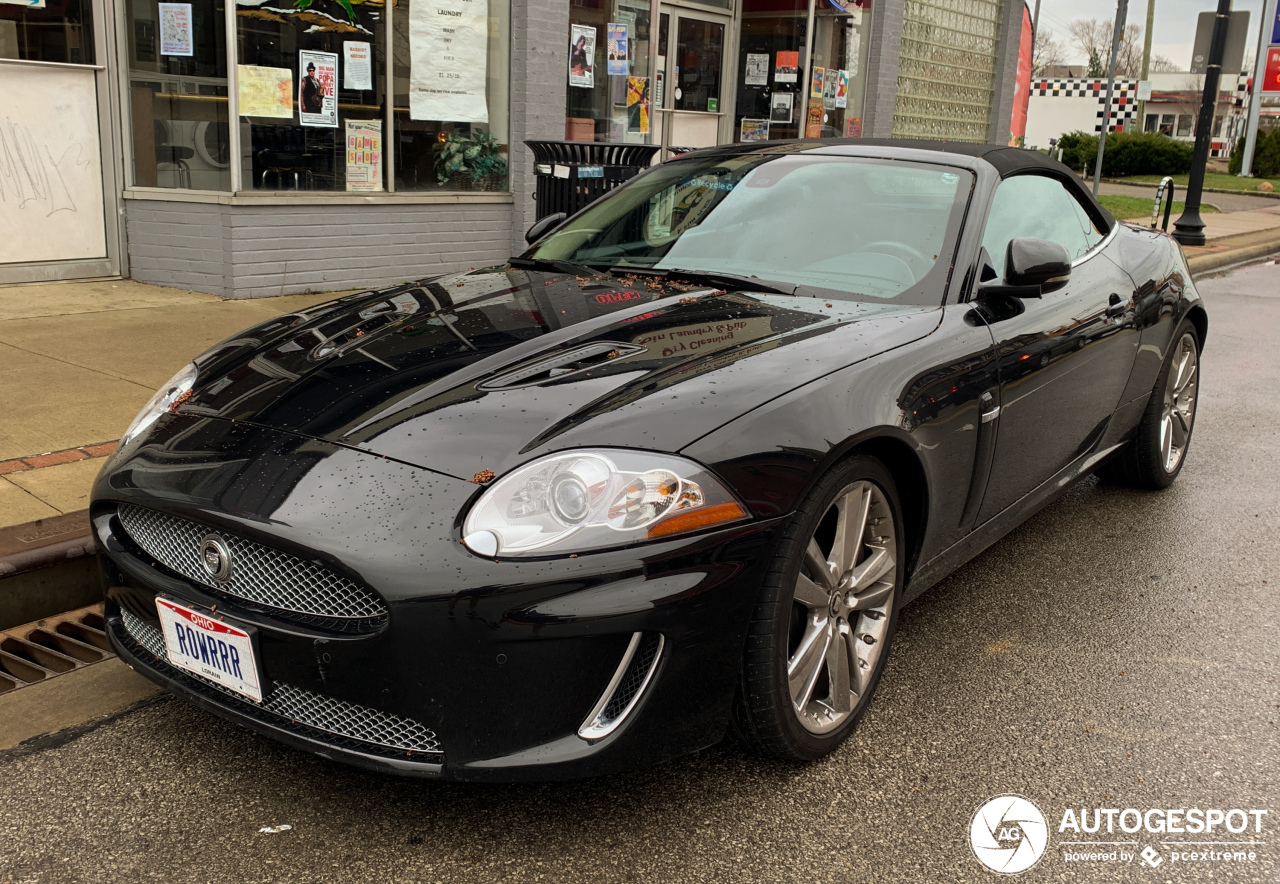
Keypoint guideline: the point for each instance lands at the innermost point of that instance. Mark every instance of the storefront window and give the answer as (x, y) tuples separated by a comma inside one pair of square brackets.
[(451, 94), (311, 77), (54, 31), (1184, 125), (840, 47), (770, 102), (178, 94), (611, 95)]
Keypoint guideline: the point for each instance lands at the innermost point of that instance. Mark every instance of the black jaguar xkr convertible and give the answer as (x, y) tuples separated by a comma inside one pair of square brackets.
[(674, 470)]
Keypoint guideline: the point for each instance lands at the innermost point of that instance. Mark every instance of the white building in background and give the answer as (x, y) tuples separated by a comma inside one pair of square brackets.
[(1059, 106)]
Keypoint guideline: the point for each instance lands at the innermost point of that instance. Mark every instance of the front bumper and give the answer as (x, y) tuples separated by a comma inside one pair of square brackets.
[(482, 670)]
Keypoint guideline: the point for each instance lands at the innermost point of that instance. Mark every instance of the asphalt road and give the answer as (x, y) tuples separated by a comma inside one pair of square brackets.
[(1117, 651)]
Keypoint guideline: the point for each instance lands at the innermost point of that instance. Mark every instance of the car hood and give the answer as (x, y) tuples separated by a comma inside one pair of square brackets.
[(484, 370)]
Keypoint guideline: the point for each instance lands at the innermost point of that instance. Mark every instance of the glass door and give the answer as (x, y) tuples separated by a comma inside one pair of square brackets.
[(691, 64)]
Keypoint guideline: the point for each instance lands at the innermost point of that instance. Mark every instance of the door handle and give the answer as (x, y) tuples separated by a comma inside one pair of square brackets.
[(1116, 305)]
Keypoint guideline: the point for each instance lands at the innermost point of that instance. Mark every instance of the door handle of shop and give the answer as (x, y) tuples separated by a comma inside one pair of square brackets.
[(1116, 305)]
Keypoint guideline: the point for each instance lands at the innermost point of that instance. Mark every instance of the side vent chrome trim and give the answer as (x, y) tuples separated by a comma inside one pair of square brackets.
[(562, 365), (627, 686)]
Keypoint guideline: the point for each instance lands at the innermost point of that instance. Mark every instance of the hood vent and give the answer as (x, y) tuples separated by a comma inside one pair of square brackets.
[(562, 365)]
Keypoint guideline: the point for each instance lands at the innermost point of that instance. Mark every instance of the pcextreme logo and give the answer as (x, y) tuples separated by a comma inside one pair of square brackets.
[(1009, 834)]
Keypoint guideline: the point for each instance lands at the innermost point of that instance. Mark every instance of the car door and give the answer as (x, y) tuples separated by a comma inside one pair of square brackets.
[(1064, 358)]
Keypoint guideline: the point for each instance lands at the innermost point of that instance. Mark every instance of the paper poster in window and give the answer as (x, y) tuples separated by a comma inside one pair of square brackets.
[(830, 89), (582, 56), (757, 69), (638, 105), (813, 124), (175, 29), (265, 92), (853, 128), (755, 130), (357, 66), (448, 60), (617, 40), (780, 108), (364, 155), (842, 89), (318, 89), (786, 67), (31, 4), (815, 84)]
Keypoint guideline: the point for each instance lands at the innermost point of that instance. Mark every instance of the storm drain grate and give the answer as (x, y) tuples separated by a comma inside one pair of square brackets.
[(39, 651)]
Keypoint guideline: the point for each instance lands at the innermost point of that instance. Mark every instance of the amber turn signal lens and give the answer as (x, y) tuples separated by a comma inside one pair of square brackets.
[(704, 517)]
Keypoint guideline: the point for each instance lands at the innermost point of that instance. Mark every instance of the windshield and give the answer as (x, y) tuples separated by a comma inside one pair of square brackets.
[(850, 226)]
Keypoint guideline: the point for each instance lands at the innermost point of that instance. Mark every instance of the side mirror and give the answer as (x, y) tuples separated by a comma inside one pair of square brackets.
[(1032, 267), (543, 226)]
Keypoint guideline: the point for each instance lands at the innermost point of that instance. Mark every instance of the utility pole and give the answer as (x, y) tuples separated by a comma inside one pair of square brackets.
[(1189, 229), (1146, 61), (1255, 94), (1122, 15)]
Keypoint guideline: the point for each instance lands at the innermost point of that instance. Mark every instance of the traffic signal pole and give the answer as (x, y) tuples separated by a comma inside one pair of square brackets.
[(1255, 94), (1189, 229)]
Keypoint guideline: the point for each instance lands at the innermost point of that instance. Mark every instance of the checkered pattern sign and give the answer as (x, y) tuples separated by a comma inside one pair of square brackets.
[(1124, 98)]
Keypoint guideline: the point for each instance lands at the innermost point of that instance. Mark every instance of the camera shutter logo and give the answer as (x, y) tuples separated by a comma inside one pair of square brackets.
[(215, 557), (1008, 834)]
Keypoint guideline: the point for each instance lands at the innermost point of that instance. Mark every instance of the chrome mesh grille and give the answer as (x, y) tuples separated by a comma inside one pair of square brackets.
[(634, 678), (259, 573), (295, 704)]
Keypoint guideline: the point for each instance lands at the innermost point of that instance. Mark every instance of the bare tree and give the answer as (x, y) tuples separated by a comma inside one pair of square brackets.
[(1161, 63), (1048, 53), (1091, 37)]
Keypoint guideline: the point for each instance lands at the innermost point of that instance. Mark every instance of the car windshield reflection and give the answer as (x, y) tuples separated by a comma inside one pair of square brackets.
[(856, 227)]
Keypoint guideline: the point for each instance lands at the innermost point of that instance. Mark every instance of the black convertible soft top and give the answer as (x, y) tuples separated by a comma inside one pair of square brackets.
[(1007, 161)]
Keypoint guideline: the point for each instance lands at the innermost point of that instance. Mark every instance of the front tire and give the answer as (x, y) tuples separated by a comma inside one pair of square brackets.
[(821, 631), (1154, 458)]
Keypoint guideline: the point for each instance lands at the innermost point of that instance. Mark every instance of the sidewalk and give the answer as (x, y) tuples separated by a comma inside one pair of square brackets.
[(77, 362), (79, 359)]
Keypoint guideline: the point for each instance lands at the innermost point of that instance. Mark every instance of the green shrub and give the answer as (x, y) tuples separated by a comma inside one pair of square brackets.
[(1266, 155), (1127, 153)]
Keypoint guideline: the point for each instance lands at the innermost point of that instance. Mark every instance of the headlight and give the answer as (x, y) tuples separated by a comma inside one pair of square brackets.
[(178, 385), (594, 498)]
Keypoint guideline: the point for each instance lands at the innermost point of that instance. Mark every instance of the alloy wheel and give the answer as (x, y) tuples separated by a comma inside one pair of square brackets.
[(844, 596), (1179, 409)]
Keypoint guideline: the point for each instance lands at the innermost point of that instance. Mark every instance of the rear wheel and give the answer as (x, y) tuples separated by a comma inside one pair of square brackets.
[(1157, 452), (821, 631)]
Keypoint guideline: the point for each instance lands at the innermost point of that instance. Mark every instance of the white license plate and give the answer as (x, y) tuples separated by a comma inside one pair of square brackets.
[(210, 648)]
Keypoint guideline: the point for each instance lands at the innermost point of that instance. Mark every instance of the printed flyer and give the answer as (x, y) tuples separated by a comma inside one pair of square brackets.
[(357, 66), (448, 60), (582, 55), (786, 67), (364, 155), (780, 108), (318, 89), (265, 92), (815, 84), (842, 90), (638, 105), (175, 29), (617, 39), (757, 69), (754, 130), (813, 124)]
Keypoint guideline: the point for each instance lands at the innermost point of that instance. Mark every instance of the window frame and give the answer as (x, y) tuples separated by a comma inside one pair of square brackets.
[(1102, 221)]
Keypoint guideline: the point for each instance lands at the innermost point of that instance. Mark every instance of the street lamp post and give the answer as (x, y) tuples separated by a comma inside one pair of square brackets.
[(1189, 229), (1122, 15)]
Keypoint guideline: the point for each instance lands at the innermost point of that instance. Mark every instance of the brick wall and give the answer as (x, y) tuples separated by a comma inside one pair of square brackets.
[(882, 68)]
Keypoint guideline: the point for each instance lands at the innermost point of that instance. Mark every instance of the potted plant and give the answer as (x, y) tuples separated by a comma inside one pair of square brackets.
[(475, 161)]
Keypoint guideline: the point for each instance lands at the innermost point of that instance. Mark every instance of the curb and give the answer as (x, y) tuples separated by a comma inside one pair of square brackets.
[(1235, 249), (1261, 193), (39, 544)]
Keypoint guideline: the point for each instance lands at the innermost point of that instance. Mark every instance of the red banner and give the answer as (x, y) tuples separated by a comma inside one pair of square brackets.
[(1022, 88), (1271, 76)]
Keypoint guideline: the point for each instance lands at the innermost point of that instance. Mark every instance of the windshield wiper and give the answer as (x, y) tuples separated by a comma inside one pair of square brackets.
[(557, 265), (713, 277)]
